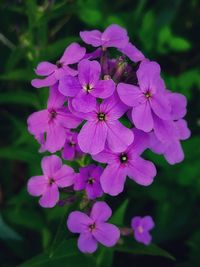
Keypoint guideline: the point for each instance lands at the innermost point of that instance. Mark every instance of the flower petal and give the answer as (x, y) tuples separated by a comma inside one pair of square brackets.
[(106, 234), (50, 197), (38, 122), (92, 137), (89, 72), (114, 36), (56, 99), (178, 103), (37, 185), (132, 53), (164, 130), (103, 89), (72, 54), (55, 137), (147, 223), (45, 68), (84, 102), (50, 165), (78, 222), (161, 105), (142, 117), (69, 86), (144, 237), (68, 152), (48, 81), (119, 137), (91, 37), (64, 176), (87, 243), (101, 211), (106, 156), (174, 153)]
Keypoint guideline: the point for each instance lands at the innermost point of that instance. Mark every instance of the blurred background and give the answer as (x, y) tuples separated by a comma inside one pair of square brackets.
[(31, 31)]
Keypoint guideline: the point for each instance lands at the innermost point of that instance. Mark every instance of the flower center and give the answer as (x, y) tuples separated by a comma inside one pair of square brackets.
[(140, 229), (123, 158), (148, 94), (53, 114), (88, 87), (51, 181), (92, 227), (90, 181), (71, 143), (101, 116), (59, 64)]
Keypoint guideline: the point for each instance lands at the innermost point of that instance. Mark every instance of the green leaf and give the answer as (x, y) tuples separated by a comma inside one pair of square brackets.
[(20, 98), (179, 44), (7, 233), (130, 246), (118, 216), (18, 75)]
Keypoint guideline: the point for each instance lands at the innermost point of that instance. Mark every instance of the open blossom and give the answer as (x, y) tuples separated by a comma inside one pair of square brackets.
[(89, 179), (87, 86), (53, 121), (102, 127), (93, 228), (113, 36), (147, 99), (141, 227), (53, 72), (171, 149), (71, 147), (55, 176), (127, 163)]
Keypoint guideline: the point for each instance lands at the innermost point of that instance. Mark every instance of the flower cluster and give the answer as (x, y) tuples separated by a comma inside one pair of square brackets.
[(103, 112)]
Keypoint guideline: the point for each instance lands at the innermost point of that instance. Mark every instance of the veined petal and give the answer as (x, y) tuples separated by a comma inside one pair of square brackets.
[(91, 37), (64, 176), (103, 89), (161, 106), (48, 81), (101, 211), (56, 99), (72, 54), (89, 72), (45, 68), (84, 102), (114, 36), (69, 86)]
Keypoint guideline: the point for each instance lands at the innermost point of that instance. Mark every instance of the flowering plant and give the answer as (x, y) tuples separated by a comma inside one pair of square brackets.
[(105, 109)]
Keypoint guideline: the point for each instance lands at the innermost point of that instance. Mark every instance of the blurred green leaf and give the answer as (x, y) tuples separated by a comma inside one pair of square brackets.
[(7, 233), (119, 214)]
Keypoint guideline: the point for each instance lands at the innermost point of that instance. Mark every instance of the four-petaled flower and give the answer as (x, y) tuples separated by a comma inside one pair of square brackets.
[(53, 72), (93, 228), (89, 179), (141, 227), (55, 175)]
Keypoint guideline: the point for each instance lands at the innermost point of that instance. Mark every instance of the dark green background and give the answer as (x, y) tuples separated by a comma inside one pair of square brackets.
[(31, 31)]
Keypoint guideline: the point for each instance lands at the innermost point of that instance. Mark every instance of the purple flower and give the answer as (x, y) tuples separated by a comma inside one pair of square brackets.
[(87, 87), (171, 149), (89, 179), (132, 52), (93, 228), (148, 99), (113, 36), (53, 121), (53, 72), (102, 127), (71, 147), (127, 163), (141, 227), (55, 175)]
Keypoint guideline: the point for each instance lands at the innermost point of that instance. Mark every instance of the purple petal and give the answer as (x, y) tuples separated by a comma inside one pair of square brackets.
[(106, 156), (174, 153), (80, 181), (78, 222), (147, 223), (37, 185), (69, 151), (89, 72), (73, 53), (104, 89), (130, 95), (141, 171), (132, 53), (114, 36), (64, 176), (142, 117), (106, 234), (48, 81), (113, 179), (67, 119), (119, 137), (141, 141), (135, 222), (56, 99), (69, 86), (38, 122), (93, 55), (91, 37), (50, 165), (164, 130), (87, 243), (84, 102), (94, 191), (50, 197), (45, 68), (92, 137), (144, 237), (69, 71), (101, 212), (55, 138), (182, 128), (178, 103), (161, 106)]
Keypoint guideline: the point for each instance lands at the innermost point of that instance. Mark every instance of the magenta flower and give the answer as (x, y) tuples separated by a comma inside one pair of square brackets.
[(55, 175), (93, 228), (127, 163), (89, 179), (171, 149), (141, 227), (71, 147), (53, 72), (148, 99), (132, 52), (113, 36), (53, 121), (87, 87), (102, 127)]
